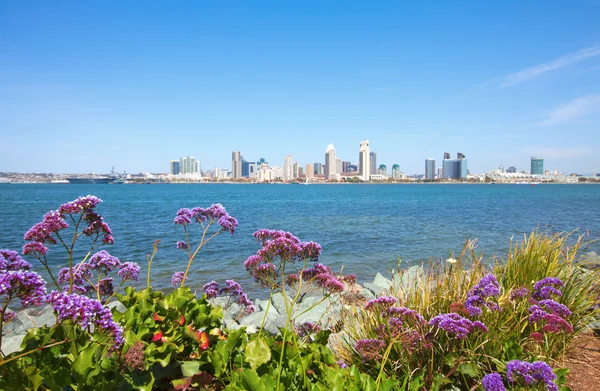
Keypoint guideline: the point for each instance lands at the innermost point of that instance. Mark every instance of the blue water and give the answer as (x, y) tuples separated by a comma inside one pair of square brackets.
[(364, 228)]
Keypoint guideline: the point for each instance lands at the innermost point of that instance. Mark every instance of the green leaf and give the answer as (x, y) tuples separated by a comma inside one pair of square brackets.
[(33, 374), (190, 368), (469, 369), (322, 337), (182, 384), (257, 353)]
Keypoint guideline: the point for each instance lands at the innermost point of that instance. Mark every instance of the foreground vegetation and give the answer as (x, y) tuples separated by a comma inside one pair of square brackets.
[(458, 324)]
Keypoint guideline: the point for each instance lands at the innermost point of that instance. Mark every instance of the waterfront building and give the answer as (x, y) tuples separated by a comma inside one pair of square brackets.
[(295, 170), (429, 169), (330, 164), (373, 163), (279, 172), (382, 170), (188, 165), (461, 168), (318, 169), (175, 167), (454, 168), (236, 165), (288, 170), (345, 166), (352, 168), (511, 169), (537, 166), (300, 172), (396, 173), (338, 167), (310, 170), (252, 171), (440, 172), (364, 160)]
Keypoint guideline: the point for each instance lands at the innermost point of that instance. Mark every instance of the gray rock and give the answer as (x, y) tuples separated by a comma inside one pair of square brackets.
[(366, 294), (46, 317), (376, 289), (325, 312), (382, 281), (117, 305), (220, 301), (589, 260), (12, 343), (272, 322), (261, 305), (228, 320)]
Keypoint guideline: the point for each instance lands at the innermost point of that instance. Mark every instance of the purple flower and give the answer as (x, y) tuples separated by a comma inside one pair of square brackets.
[(81, 273), (531, 374), (182, 245), (52, 222), (369, 349), (307, 328), (493, 382), (234, 289), (11, 260), (228, 223), (129, 271), (184, 217), (85, 312), (405, 313), (177, 278), (341, 364), (519, 294), (26, 285), (545, 288), (103, 262), (35, 249), (381, 303), (456, 325), (215, 212), (488, 286), (105, 287), (310, 251), (79, 205), (8, 316), (211, 289), (96, 226)]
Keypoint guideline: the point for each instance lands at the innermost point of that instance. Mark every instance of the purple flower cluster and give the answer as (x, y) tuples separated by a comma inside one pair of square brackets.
[(551, 315), (215, 212), (23, 284), (11, 260), (177, 278), (370, 349), (182, 245), (487, 287), (519, 293), (81, 273), (54, 221), (103, 262), (405, 313), (234, 289), (456, 325), (8, 316), (283, 247), (381, 303), (85, 312), (493, 382), (544, 289), (129, 271), (211, 289), (307, 328), (535, 373)]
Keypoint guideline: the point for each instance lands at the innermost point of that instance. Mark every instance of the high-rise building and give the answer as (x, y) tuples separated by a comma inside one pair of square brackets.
[(338, 166), (364, 160), (537, 166), (300, 172), (236, 165), (188, 165), (345, 166), (310, 170), (288, 169), (175, 167), (330, 164), (454, 168), (318, 168), (295, 173), (448, 167), (396, 173), (429, 169), (382, 170), (461, 165), (252, 170), (373, 163)]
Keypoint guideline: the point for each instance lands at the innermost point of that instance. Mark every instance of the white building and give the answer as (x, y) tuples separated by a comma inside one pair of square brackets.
[(330, 162), (364, 160), (288, 168)]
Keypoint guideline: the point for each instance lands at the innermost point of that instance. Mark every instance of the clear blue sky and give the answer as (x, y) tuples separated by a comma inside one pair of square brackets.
[(88, 85)]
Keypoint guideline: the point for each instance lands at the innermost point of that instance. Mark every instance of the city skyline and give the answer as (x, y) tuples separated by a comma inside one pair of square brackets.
[(204, 79)]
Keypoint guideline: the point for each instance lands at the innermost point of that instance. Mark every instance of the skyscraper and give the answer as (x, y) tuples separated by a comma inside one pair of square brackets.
[(429, 169), (345, 165), (188, 165), (382, 169), (364, 160), (288, 169), (454, 168), (461, 161), (373, 163), (236, 165), (318, 168), (448, 166), (330, 164), (175, 167), (310, 170), (537, 166)]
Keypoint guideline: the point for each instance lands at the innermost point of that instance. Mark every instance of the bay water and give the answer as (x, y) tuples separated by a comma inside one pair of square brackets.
[(363, 228)]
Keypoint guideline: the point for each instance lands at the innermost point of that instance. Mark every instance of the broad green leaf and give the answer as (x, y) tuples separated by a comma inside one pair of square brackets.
[(257, 353), (190, 368)]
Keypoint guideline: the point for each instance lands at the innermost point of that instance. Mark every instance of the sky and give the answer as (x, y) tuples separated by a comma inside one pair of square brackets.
[(85, 86)]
